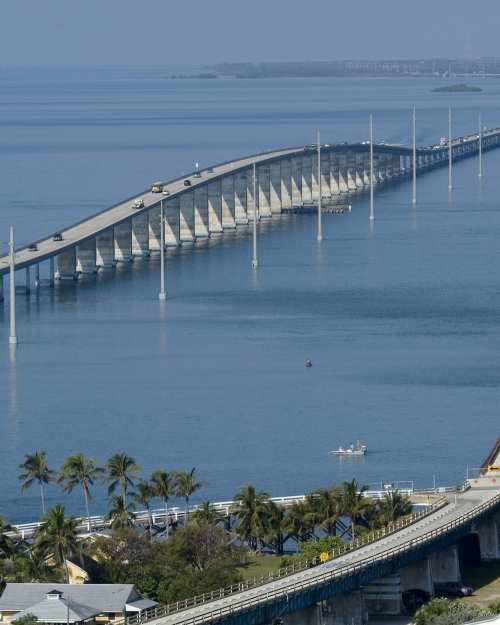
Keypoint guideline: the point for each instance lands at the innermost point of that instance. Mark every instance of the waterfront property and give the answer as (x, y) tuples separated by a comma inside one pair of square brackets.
[(50, 602)]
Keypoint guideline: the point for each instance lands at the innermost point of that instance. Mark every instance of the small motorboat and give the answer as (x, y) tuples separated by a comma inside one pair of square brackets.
[(308, 363), (353, 450)]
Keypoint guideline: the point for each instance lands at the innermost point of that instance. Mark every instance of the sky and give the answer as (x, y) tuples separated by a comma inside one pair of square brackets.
[(144, 32)]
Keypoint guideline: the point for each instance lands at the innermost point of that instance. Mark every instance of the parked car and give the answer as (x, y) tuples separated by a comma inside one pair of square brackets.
[(57, 236), (33, 247), (452, 589), (187, 183), (414, 598), (138, 203), (156, 187), (165, 191)]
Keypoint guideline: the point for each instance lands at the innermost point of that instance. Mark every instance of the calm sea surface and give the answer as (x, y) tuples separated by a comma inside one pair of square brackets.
[(402, 322)]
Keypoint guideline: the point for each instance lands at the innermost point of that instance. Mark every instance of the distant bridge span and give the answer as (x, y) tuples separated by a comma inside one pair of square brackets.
[(221, 198)]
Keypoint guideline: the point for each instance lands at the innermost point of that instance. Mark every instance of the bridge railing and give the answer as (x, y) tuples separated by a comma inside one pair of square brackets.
[(322, 577), (370, 537)]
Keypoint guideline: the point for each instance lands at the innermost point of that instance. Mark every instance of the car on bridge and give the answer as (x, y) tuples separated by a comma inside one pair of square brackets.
[(156, 187), (138, 203), (165, 191), (187, 183), (33, 247), (57, 236)]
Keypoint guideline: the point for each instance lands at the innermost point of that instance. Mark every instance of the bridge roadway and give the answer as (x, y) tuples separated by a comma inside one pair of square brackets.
[(350, 174), (346, 572)]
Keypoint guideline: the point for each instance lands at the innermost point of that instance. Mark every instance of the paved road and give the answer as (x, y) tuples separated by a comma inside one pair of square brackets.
[(463, 504)]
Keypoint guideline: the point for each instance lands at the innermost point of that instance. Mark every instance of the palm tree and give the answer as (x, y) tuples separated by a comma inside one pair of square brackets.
[(206, 513), (80, 471), (393, 506), (143, 495), (120, 513), (186, 485), (326, 504), (251, 511), (7, 546), (120, 470), (57, 536), (300, 521), (275, 527), (164, 487), (35, 469), (354, 504)]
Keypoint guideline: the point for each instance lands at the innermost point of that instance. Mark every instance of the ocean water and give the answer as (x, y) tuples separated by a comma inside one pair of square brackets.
[(401, 320)]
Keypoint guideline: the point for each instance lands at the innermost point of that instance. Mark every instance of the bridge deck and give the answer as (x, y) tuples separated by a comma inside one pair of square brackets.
[(404, 539)]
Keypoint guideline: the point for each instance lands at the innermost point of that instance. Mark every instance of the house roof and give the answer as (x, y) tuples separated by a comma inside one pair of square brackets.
[(56, 609), (141, 604), (102, 597)]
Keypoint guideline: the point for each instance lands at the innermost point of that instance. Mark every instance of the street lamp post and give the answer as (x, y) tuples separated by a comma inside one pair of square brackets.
[(162, 296), (12, 302), (255, 262), (372, 213), (320, 230), (414, 172), (480, 173), (450, 154)]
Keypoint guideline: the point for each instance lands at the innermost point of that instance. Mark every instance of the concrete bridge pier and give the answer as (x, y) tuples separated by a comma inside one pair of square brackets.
[(105, 249), (360, 170), (186, 217), (172, 225), (215, 206), (307, 168), (344, 609), (488, 531), (343, 182), (66, 265), (28, 281), (1, 289), (325, 176), (384, 596), (445, 565), (417, 575), (296, 180), (309, 616), (251, 200), (140, 235), (86, 262), (37, 276), (240, 199), (286, 184), (201, 213), (227, 203), (154, 231), (275, 188), (334, 174), (264, 190), (315, 177), (123, 241), (351, 171)]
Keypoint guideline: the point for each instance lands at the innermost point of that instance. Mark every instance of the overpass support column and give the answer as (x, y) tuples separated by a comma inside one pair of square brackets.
[(105, 249), (264, 190), (344, 609), (334, 174), (343, 185), (314, 178), (140, 234), (445, 566), (309, 616), (286, 183), (214, 207), (66, 265), (360, 170), (383, 596), (240, 198), (351, 171), (227, 204), (417, 575), (123, 241), (489, 538), (307, 168), (325, 174), (251, 201), (86, 256), (201, 212), (366, 170), (172, 210), (186, 216), (154, 231), (275, 187), (297, 181)]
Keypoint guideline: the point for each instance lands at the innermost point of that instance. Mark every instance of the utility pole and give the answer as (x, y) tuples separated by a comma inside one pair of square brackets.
[(372, 214), (449, 149), (414, 133), (255, 262), (162, 296), (12, 303), (480, 173), (320, 231)]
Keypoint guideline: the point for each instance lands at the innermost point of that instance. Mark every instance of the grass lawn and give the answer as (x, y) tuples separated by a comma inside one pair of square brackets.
[(259, 565), (485, 580)]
